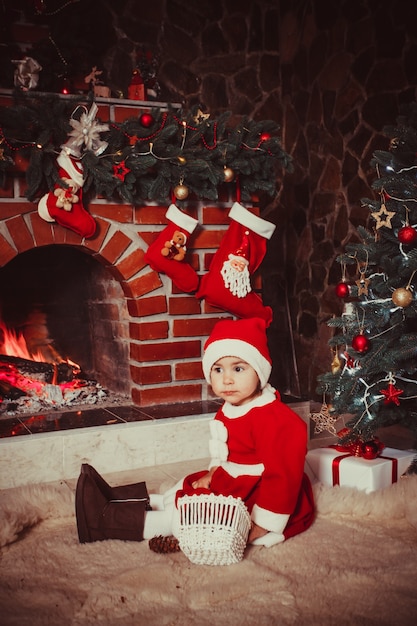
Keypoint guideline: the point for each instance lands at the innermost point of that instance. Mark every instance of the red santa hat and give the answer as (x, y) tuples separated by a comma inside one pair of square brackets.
[(242, 253), (244, 338)]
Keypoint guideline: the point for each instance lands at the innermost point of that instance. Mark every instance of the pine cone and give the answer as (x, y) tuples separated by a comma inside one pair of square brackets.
[(164, 545)]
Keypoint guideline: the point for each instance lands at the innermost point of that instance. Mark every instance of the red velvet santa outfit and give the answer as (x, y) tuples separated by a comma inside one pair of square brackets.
[(259, 447)]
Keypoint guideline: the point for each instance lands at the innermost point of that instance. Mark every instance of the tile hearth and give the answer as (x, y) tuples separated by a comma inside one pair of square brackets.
[(50, 447), (57, 421)]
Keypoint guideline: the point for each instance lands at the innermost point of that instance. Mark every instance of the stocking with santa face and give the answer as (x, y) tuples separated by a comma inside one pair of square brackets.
[(227, 285)]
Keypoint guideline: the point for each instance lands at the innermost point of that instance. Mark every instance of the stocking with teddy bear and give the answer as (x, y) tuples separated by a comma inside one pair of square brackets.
[(167, 253)]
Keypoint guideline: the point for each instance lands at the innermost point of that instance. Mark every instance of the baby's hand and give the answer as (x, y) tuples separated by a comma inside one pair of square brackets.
[(205, 481)]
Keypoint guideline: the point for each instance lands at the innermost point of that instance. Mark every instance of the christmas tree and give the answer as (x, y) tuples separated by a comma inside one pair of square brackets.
[(373, 377)]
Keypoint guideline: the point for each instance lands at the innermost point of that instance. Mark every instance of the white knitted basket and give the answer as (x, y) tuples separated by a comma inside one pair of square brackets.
[(213, 529)]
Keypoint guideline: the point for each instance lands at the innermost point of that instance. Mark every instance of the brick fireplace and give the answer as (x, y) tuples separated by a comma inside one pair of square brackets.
[(126, 324), (146, 336)]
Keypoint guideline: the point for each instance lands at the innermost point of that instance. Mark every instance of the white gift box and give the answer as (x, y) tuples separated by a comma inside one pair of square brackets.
[(332, 467)]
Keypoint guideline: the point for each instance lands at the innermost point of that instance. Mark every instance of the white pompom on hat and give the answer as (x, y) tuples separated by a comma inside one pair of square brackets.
[(243, 338)]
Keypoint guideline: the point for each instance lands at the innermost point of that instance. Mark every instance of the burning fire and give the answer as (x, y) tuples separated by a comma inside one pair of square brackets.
[(28, 378), (14, 344)]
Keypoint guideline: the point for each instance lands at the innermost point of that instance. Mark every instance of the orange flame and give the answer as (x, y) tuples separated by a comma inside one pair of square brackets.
[(14, 344)]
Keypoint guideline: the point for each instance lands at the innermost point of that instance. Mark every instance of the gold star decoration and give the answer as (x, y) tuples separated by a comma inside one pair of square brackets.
[(383, 217), (201, 117), (323, 420)]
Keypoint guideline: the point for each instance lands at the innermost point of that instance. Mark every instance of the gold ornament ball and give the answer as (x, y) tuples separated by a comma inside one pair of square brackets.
[(228, 174), (181, 192), (402, 297)]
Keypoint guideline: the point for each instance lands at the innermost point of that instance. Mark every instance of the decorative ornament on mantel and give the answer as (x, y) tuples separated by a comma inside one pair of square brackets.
[(96, 84), (26, 74), (146, 120), (64, 204), (136, 89), (181, 191), (229, 174), (86, 133)]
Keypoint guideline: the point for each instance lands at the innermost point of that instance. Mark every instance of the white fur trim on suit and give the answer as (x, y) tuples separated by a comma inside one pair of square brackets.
[(240, 469), (267, 396), (181, 219), (261, 227), (217, 444)]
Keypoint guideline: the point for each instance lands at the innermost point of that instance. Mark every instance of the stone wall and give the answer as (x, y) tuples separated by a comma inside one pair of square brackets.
[(332, 74)]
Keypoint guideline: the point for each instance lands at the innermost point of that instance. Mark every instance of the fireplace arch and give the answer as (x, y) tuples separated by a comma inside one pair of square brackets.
[(163, 329), (66, 304)]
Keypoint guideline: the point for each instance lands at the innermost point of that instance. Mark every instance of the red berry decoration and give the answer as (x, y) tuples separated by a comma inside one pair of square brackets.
[(342, 290), (146, 120), (360, 343), (265, 136), (407, 235)]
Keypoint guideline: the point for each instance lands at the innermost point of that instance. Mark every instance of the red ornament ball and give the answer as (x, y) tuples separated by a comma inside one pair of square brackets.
[(265, 136), (342, 290), (146, 120), (360, 343), (370, 450), (407, 235)]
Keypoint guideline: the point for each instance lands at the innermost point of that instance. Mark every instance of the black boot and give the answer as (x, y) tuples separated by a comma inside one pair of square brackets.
[(105, 512)]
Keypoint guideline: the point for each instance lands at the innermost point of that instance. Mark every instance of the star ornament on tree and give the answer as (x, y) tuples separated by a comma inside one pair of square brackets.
[(383, 217), (392, 394), (323, 420)]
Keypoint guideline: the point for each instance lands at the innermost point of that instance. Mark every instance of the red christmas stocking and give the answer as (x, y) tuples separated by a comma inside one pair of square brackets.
[(227, 284), (167, 253), (64, 205)]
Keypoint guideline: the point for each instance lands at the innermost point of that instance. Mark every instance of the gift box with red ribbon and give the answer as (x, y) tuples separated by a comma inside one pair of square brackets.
[(348, 467)]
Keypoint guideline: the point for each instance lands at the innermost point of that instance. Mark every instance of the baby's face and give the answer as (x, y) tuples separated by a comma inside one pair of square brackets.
[(234, 380)]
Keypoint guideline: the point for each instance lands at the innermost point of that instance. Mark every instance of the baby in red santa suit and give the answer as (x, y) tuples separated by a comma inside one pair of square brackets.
[(257, 446)]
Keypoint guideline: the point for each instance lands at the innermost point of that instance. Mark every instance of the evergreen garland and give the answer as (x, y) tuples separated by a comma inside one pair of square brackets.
[(147, 156)]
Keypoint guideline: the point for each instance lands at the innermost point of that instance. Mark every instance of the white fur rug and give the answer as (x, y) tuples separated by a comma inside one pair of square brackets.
[(355, 566)]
